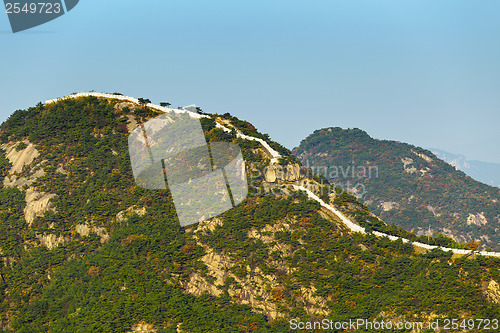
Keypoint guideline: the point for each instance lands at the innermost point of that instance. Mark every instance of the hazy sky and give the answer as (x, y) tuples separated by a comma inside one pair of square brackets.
[(422, 72)]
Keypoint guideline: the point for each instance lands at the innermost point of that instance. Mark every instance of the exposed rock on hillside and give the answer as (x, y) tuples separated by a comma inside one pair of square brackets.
[(113, 257), (20, 158), (85, 230), (477, 219), (122, 215), (37, 203), (386, 206), (289, 173), (51, 241), (21, 182), (492, 292), (143, 328)]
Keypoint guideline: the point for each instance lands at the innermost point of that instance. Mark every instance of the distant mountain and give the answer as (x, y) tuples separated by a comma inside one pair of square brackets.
[(405, 185), (485, 172)]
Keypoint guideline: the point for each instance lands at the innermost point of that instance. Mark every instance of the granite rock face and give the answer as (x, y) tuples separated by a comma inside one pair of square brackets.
[(22, 157), (37, 203), (493, 292), (289, 173)]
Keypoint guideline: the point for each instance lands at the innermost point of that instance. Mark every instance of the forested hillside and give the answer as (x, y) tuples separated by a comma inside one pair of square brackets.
[(84, 249), (406, 185)]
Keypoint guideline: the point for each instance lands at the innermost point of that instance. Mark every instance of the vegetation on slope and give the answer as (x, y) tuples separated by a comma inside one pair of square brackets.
[(410, 188), (279, 246)]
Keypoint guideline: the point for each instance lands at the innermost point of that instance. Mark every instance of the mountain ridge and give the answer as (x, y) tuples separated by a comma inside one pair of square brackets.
[(411, 188), (108, 256), (274, 160)]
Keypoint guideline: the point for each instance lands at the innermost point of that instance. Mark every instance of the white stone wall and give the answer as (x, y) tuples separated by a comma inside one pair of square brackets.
[(123, 98), (352, 226), (275, 155), (356, 228)]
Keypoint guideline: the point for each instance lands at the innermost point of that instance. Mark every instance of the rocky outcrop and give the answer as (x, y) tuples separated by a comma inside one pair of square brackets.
[(20, 182), (289, 173), (477, 219), (85, 230), (131, 124), (142, 327), (198, 285), (262, 291), (266, 235), (253, 289), (218, 265), (492, 292), (37, 203), (124, 214), (386, 206), (270, 174), (206, 225), (51, 241), (409, 168), (407, 165), (433, 211), (314, 304), (20, 158), (425, 157)]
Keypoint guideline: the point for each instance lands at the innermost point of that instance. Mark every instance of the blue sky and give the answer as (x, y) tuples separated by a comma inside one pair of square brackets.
[(422, 72)]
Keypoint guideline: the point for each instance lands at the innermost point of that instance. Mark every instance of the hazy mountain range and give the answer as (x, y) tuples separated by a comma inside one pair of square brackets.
[(485, 172)]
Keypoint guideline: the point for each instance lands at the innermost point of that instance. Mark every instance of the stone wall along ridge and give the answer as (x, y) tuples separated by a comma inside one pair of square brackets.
[(275, 156), (356, 228)]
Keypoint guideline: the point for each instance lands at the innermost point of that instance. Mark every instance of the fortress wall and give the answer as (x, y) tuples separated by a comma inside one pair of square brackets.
[(271, 151), (352, 226), (356, 228)]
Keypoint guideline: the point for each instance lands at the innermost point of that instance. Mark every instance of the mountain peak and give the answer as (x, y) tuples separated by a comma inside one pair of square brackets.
[(421, 190)]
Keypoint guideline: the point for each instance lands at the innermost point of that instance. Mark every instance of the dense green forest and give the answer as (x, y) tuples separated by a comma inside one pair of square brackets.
[(407, 185), (274, 257)]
